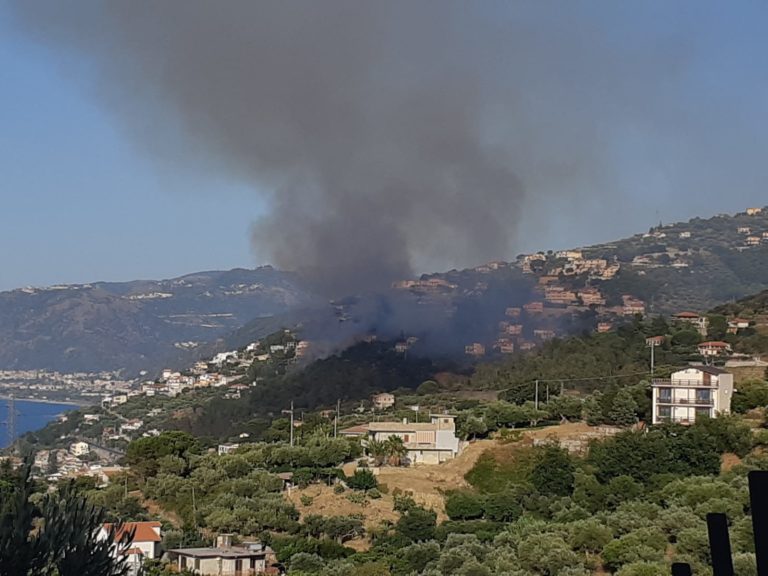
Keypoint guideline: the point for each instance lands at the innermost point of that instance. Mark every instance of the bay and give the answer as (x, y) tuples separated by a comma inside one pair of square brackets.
[(30, 415)]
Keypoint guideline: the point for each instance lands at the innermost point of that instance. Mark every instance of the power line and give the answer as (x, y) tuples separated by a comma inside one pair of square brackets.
[(582, 379)]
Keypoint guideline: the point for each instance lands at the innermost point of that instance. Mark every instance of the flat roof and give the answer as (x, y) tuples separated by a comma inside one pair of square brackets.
[(400, 427), (219, 552)]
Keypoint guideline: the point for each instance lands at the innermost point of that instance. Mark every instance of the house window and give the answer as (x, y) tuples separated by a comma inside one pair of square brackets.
[(406, 437), (700, 411), (665, 394), (703, 396), (664, 411)]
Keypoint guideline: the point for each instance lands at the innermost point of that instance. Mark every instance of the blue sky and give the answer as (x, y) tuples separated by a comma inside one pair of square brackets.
[(83, 202)]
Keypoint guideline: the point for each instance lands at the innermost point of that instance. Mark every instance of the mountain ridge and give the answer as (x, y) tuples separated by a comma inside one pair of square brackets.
[(502, 306)]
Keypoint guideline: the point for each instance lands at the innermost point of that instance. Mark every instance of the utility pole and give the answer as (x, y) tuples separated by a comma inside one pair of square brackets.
[(336, 419), (652, 343), (536, 396), (547, 393), (10, 420), (291, 422)]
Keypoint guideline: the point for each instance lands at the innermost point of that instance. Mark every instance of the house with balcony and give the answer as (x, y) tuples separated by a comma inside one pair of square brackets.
[(701, 323), (430, 442), (689, 393), (383, 401), (714, 348)]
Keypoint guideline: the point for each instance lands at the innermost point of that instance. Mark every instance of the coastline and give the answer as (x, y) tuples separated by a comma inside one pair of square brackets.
[(73, 403)]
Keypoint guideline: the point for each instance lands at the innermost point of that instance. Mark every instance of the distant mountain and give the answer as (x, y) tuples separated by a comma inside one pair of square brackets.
[(136, 325), (504, 307), (498, 307)]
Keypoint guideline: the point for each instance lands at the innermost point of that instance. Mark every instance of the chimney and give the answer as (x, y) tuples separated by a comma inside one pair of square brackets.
[(405, 420)]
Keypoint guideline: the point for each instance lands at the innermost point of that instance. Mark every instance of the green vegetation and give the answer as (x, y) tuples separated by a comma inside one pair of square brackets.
[(54, 533)]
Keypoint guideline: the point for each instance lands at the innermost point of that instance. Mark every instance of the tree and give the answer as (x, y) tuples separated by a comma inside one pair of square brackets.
[(750, 394), (623, 410), (503, 506), (396, 450), (592, 409), (464, 505), (474, 426), (590, 536), (362, 479), (417, 525), (553, 472), (377, 449), (66, 542)]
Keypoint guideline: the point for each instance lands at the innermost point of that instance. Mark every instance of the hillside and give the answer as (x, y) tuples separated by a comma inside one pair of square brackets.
[(135, 325), (493, 309)]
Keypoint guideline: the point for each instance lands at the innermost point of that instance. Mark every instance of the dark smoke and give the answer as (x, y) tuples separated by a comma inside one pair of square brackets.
[(387, 135)]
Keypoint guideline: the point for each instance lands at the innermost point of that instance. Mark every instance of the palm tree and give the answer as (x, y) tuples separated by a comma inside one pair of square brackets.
[(378, 450), (396, 449)]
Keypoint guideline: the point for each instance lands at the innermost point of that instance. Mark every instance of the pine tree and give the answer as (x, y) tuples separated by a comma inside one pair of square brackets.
[(66, 541), (623, 410)]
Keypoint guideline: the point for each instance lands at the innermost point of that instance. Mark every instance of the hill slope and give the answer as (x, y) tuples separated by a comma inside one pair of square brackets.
[(501, 306), (135, 325)]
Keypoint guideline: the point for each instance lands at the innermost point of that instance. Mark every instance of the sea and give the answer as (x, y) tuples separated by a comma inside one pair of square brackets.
[(30, 415)]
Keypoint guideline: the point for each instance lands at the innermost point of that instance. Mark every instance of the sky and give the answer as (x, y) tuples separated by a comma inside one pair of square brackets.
[(84, 200)]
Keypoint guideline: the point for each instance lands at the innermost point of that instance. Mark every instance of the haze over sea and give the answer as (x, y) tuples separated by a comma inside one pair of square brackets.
[(30, 415)]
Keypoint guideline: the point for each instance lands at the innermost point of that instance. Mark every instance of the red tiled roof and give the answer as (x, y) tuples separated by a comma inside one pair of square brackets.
[(144, 531), (686, 315), (715, 344)]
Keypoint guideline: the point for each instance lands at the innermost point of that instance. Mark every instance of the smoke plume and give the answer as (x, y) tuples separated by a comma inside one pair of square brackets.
[(384, 136)]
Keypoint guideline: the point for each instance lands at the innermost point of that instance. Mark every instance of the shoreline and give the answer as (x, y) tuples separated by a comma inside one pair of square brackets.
[(72, 403)]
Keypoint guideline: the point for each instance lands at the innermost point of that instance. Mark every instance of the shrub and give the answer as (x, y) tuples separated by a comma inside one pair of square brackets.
[(306, 500), (374, 494), (362, 480), (338, 489), (464, 505), (356, 498)]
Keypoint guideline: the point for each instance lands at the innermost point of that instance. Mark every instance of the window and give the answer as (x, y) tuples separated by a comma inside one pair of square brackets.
[(665, 395), (664, 411), (703, 396), (700, 411)]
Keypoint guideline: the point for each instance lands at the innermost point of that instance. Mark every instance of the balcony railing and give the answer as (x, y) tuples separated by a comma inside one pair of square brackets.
[(687, 401), (683, 383)]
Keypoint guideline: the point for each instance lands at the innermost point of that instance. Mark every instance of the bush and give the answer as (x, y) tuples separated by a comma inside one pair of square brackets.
[(464, 505), (362, 480), (553, 472), (306, 500), (356, 498), (417, 525), (374, 494), (503, 506), (338, 489)]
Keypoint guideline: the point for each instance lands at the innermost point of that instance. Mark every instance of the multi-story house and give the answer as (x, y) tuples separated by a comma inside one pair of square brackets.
[(383, 401), (474, 349), (700, 322), (714, 348), (695, 391), (427, 442)]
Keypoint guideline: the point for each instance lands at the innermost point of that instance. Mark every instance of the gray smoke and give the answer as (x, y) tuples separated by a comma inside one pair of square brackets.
[(387, 135)]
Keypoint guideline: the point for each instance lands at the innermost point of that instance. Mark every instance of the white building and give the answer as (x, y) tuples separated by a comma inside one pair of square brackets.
[(79, 449), (226, 448), (427, 442), (692, 392), (146, 537), (383, 401)]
